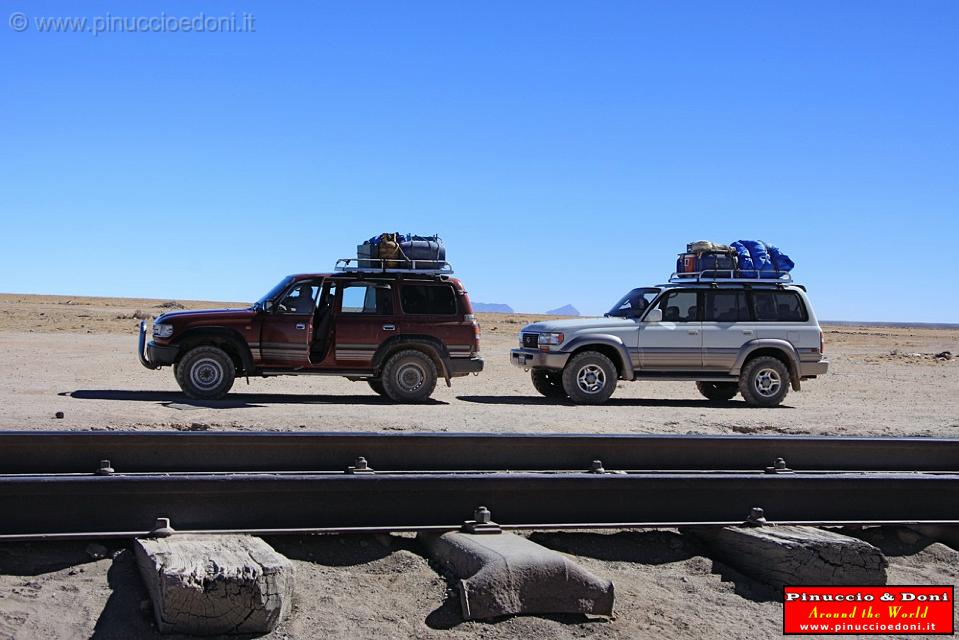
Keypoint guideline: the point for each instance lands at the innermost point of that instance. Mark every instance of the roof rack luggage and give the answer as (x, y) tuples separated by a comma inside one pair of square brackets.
[(384, 265)]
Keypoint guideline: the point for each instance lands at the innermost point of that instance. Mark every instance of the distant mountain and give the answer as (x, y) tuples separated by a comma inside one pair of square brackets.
[(492, 307), (568, 310)]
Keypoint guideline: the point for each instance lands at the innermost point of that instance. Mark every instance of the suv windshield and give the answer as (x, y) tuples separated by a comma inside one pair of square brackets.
[(634, 303), (273, 293)]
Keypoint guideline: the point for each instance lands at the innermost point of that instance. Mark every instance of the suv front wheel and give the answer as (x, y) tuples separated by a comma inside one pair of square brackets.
[(205, 373), (589, 378), (764, 381), (409, 376)]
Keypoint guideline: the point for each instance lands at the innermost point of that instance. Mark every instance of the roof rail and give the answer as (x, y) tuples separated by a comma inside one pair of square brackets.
[(383, 265), (730, 275)]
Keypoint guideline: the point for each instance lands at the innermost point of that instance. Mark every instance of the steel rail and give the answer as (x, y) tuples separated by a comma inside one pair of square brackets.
[(80, 452), (56, 506)]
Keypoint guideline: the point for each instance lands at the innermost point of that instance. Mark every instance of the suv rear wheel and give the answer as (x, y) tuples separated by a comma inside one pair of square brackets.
[(549, 383), (719, 391), (409, 376), (589, 378), (205, 373), (764, 381)]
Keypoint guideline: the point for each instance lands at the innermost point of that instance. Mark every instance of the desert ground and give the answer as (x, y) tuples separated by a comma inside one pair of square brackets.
[(77, 356)]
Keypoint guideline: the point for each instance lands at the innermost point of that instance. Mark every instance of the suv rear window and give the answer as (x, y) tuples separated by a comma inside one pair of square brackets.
[(438, 300), (727, 306), (779, 306), (367, 298)]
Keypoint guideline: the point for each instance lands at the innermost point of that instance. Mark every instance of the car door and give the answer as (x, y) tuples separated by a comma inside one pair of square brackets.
[(364, 320), (676, 342), (286, 330), (726, 327)]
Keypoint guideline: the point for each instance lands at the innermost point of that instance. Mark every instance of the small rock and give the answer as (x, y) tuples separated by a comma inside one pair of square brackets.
[(96, 551), (58, 415), (944, 355)]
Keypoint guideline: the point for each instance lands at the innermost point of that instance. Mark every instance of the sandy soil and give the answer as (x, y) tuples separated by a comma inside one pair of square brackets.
[(76, 355), (79, 358)]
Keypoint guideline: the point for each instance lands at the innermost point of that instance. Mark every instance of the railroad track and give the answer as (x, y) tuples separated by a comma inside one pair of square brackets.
[(101, 484)]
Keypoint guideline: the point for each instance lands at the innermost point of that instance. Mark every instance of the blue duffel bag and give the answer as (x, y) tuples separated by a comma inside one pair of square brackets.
[(760, 260), (429, 248)]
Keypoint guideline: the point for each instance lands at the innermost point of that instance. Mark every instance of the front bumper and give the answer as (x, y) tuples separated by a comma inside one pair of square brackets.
[(812, 369), (534, 358), (153, 355), (464, 366)]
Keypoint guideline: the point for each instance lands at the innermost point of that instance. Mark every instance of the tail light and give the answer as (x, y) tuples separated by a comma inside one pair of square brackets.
[(822, 343), (476, 332)]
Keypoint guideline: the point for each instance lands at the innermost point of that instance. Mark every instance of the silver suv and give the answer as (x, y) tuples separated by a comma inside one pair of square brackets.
[(729, 335)]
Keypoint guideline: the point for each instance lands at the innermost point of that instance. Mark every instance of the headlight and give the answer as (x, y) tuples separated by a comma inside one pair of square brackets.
[(162, 330), (550, 339)]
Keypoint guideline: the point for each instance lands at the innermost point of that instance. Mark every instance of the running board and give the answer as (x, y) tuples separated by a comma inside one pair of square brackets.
[(691, 376)]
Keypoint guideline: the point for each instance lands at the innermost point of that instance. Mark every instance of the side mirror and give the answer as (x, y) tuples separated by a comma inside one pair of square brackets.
[(654, 315)]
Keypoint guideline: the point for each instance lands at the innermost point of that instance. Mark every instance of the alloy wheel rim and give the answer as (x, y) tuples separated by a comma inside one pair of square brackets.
[(767, 382), (591, 378)]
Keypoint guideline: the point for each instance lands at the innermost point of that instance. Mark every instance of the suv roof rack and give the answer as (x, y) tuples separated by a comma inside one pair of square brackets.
[(382, 265), (720, 276)]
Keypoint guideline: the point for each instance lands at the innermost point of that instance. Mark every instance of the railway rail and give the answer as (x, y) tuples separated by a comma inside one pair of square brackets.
[(79, 484), (138, 451)]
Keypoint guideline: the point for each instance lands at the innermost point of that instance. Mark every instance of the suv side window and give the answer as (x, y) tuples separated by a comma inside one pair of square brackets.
[(779, 306), (680, 306), (425, 299), (367, 298), (727, 306), (300, 300)]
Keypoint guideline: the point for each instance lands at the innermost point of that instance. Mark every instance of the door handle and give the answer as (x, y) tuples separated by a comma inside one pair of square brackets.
[(693, 332), (389, 327), (300, 325)]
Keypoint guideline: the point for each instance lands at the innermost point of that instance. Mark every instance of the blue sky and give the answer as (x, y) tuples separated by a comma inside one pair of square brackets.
[(565, 151)]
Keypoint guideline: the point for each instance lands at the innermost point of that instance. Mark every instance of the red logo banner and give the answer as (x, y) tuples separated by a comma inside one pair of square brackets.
[(900, 610)]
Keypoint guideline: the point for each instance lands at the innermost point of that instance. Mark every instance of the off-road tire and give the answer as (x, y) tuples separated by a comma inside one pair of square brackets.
[(718, 391), (205, 373), (376, 386), (409, 376), (589, 378), (549, 383), (764, 372)]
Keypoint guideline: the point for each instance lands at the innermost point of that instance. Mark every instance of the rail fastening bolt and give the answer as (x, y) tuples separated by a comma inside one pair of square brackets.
[(482, 515), (360, 464), (162, 528), (105, 469), (779, 463), (597, 467), (757, 517)]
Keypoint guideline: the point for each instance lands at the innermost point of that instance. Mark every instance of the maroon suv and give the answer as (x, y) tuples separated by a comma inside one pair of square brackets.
[(397, 331)]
